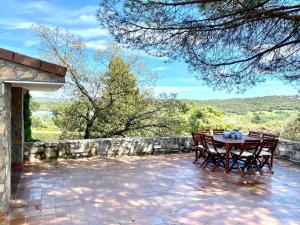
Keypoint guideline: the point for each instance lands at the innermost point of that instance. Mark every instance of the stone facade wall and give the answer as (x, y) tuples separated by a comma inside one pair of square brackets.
[(114, 147), (289, 150), (5, 146), (107, 147), (12, 71), (17, 124)]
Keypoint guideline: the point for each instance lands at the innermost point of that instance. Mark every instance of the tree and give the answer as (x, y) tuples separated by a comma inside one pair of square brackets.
[(230, 43), (291, 130), (106, 100), (27, 117), (206, 118)]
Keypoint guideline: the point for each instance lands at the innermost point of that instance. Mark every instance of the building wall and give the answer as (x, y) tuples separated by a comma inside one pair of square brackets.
[(10, 71), (5, 146), (17, 124)]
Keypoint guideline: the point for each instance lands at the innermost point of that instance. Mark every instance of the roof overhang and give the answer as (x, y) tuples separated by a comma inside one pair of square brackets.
[(36, 86)]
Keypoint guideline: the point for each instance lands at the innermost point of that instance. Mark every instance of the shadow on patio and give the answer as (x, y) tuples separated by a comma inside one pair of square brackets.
[(164, 189)]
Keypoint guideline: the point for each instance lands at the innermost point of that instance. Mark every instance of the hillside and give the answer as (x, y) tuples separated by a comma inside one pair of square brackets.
[(244, 105)]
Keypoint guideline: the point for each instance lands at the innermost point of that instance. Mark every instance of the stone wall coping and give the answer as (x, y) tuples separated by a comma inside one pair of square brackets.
[(32, 62), (110, 139), (289, 141), (132, 138)]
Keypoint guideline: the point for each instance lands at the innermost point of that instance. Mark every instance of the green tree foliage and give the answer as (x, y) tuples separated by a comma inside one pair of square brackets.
[(231, 44), (134, 113), (291, 130), (34, 106), (257, 104), (206, 118), (27, 117)]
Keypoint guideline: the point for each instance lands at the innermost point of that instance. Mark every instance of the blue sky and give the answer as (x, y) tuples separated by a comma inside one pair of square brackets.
[(78, 16)]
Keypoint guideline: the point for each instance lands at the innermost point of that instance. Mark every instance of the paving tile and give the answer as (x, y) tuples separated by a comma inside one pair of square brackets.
[(151, 190)]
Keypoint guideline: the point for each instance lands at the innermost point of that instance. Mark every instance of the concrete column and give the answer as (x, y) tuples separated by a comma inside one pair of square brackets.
[(5, 147), (17, 127)]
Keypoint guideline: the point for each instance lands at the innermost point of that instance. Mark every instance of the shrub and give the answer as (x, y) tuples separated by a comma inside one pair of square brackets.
[(291, 130)]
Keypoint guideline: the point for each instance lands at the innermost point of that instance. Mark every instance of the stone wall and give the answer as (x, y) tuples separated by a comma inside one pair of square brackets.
[(12, 71), (17, 124), (289, 150), (107, 147), (5, 143), (114, 147)]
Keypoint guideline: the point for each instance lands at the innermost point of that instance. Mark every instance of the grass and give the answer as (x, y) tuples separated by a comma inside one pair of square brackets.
[(46, 134)]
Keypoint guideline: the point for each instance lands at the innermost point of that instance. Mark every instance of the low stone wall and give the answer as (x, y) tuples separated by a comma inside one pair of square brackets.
[(114, 147), (106, 147), (289, 150)]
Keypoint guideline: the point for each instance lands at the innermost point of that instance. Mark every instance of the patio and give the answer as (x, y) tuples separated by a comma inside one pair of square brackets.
[(158, 189)]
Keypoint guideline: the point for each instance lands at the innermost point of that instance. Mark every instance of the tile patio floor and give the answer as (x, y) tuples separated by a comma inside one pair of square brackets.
[(165, 189)]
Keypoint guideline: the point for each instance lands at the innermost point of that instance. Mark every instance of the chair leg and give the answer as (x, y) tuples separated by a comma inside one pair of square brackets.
[(240, 170), (204, 162), (257, 166), (266, 161), (219, 158), (196, 155)]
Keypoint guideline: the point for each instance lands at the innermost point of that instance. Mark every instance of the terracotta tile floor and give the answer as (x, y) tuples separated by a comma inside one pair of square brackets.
[(165, 189)]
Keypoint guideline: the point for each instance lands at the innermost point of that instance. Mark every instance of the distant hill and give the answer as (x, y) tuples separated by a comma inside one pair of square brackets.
[(244, 105), (234, 105)]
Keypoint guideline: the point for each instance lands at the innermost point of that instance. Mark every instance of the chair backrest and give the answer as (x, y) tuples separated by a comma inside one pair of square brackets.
[(208, 140), (218, 131), (203, 131), (196, 138), (251, 145), (254, 134), (268, 136), (269, 145)]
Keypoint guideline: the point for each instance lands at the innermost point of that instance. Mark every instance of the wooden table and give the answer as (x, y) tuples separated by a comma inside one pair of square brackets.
[(229, 143)]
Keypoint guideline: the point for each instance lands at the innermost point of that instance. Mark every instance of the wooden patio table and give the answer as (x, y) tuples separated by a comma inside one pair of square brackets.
[(228, 142)]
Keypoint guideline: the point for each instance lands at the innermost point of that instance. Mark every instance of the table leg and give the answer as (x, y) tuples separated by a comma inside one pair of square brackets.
[(227, 159)]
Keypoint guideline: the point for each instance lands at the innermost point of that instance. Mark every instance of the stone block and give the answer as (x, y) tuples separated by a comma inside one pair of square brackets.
[(27, 75), (50, 154), (43, 77), (7, 73)]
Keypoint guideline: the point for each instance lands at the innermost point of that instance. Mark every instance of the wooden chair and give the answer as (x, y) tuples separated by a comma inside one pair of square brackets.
[(246, 156), (254, 134), (266, 152), (204, 131), (199, 146), (268, 136), (218, 132), (214, 154)]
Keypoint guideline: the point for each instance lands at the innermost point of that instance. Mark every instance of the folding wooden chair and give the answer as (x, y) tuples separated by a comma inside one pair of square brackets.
[(268, 136), (214, 154), (246, 156), (254, 134), (199, 146), (204, 131), (218, 131), (266, 152)]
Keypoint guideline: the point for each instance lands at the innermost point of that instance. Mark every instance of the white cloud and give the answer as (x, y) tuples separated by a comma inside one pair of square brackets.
[(42, 6), (97, 44), (161, 68), (30, 43), (12, 25), (89, 32)]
